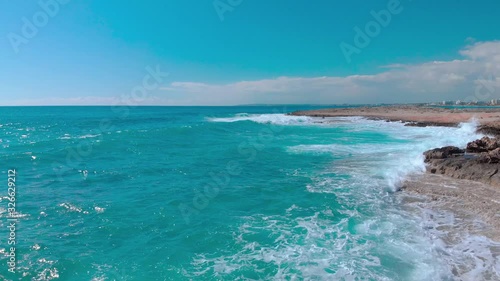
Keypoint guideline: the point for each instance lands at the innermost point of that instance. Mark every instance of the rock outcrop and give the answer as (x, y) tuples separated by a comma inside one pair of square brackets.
[(492, 129), (484, 144), (480, 161), (443, 153)]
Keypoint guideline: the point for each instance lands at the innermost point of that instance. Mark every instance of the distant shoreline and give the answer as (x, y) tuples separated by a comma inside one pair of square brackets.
[(421, 116)]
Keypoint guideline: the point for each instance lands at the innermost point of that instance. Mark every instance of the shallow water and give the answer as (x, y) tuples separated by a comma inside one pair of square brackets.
[(217, 193)]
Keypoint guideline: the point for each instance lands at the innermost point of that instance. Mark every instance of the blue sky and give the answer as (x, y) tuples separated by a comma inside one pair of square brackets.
[(96, 52)]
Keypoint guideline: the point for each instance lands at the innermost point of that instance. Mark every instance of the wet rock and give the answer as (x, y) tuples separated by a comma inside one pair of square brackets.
[(442, 153), (484, 144), (428, 124), (491, 157), (490, 129), (479, 162)]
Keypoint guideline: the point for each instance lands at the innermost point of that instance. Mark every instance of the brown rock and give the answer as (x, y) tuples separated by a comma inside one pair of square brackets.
[(481, 163), (484, 144), (490, 157), (442, 153)]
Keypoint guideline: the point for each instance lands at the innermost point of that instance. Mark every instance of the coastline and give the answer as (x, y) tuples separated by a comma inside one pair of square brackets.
[(488, 118), (468, 200), (460, 217), (468, 197)]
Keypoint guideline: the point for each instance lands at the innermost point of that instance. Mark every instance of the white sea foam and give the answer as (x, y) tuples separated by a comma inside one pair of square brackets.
[(379, 166), (469, 257), (70, 207), (69, 137), (278, 119), (48, 274), (89, 136), (321, 248), (394, 160), (73, 208)]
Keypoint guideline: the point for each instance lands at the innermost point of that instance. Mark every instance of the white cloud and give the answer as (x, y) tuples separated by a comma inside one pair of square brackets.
[(429, 81), (471, 76), (89, 100), (483, 51)]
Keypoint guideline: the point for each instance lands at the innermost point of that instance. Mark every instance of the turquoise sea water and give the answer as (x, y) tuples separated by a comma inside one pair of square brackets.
[(215, 193)]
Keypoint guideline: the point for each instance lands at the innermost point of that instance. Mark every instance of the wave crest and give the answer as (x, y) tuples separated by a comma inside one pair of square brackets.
[(278, 119)]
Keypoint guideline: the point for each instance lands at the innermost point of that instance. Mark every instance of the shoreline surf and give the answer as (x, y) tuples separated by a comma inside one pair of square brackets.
[(314, 198), (488, 118)]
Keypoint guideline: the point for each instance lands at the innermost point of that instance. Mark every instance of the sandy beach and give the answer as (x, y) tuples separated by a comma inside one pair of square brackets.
[(469, 200), (462, 216)]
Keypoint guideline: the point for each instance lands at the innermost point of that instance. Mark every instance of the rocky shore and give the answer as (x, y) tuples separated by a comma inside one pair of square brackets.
[(479, 161), (458, 199), (488, 118)]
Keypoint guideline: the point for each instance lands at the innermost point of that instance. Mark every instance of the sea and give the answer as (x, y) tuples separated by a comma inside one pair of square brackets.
[(221, 193)]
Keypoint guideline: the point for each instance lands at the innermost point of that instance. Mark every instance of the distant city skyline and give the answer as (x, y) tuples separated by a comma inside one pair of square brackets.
[(71, 52)]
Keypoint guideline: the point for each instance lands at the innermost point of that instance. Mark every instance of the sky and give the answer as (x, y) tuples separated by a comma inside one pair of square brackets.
[(232, 52)]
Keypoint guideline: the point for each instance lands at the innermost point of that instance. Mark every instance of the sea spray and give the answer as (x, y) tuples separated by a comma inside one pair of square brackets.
[(316, 202)]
